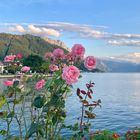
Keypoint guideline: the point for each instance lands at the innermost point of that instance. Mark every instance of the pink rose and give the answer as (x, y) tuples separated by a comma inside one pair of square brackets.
[(53, 67), (70, 74), (9, 83), (58, 53), (40, 84), (48, 55), (69, 57), (90, 62), (9, 58), (25, 69), (78, 50), (19, 56)]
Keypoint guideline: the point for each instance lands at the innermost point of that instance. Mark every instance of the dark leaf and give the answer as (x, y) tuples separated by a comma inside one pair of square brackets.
[(89, 95), (80, 97), (16, 83), (90, 115), (11, 114), (10, 95), (88, 86), (99, 101), (3, 132), (39, 101), (91, 91), (83, 92), (45, 108), (32, 130), (85, 102), (3, 114), (54, 120), (78, 91)]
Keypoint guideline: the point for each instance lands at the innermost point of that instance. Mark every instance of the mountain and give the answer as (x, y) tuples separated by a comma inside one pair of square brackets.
[(27, 44), (123, 63)]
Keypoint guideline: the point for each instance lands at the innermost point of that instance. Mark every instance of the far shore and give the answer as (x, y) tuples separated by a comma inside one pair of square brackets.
[(9, 76), (16, 76)]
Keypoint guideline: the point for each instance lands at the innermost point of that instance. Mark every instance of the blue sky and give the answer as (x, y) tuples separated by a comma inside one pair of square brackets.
[(104, 27)]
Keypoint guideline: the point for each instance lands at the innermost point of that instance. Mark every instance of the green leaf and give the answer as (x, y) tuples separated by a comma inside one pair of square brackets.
[(32, 130), (54, 120), (48, 83), (16, 83), (41, 132), (11, 114), (3, 132), (18, 90), (2, 101), (45, 108), (75, 127), (39, 101), (35, 127)]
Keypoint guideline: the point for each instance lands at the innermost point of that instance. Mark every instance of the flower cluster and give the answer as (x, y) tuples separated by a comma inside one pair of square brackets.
[(133, 134), (10, 58), (25, 69), (47, 93)]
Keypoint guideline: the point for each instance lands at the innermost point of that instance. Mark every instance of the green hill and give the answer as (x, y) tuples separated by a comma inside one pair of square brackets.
[(26, 44)]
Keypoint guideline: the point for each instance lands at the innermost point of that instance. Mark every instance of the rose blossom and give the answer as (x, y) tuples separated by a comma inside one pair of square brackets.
[(69, 57), (53, 67), (78, 50), (25, 69), (9, 83), (58, 53), (90, 62), (19, 55), (39, 85), (48, 55), (70, 74), (9, 58)]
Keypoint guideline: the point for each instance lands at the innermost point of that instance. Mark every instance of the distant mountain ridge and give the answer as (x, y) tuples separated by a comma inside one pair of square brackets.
[(27, 44), (122, 63)]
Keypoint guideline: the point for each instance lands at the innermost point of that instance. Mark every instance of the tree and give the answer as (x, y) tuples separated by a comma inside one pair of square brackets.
[(34, 62)]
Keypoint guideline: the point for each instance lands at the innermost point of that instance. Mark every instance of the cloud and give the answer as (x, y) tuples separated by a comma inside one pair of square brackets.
[(75, 31), (17, 28), (135, 43), (130, 57), (31, 29)]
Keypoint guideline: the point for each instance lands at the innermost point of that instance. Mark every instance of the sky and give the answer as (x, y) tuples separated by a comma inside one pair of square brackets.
[(103, 27)]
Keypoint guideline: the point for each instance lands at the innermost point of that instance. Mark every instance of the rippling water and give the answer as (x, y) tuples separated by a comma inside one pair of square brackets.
[(120, 95)]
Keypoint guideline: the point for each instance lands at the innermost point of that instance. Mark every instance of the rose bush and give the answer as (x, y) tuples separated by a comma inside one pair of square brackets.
[(44, 96)]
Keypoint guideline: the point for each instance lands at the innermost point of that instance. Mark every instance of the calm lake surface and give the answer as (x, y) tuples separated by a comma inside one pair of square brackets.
[(120, 96)]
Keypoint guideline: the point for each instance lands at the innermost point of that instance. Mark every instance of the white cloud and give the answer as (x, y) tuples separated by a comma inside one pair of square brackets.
[(135, 43), (75, 30), (34, 30), (130, 57), (31, 29), (17, 28)]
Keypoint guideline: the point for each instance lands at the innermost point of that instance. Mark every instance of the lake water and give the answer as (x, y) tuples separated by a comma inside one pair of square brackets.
[(120, 96)]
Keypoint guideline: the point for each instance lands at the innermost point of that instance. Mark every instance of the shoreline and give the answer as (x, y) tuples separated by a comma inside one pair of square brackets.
[(9, 76), (17, 76)]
